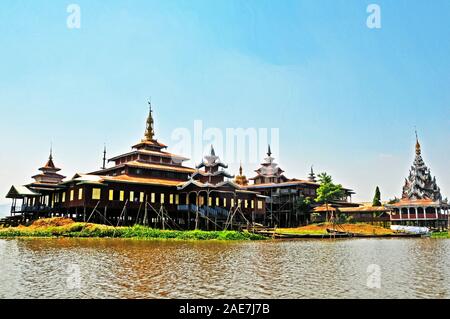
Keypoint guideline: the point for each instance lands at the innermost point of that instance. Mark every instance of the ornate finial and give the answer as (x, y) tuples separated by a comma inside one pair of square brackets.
[(418, 150), (240, 169), (149, 132), (312, 176), (51, 152), (104, 157), (213, 153), (269, 152)]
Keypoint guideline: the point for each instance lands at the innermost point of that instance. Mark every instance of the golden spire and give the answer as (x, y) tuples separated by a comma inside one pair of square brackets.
[(241, 179), (149, 131), (418, 150)]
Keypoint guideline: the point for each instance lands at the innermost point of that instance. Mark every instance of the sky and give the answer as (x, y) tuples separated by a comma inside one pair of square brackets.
[(344, 97)]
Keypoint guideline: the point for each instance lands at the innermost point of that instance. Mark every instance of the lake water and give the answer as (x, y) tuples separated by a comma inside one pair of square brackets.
[(106, 268)]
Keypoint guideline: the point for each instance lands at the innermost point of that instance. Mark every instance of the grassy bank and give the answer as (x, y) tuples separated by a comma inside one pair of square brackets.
[(440, 235), (321, 229), (61, 227)]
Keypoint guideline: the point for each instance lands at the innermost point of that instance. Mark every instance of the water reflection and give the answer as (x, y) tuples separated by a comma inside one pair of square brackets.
[(410, 268)]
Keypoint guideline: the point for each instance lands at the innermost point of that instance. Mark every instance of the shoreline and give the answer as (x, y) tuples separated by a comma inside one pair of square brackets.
[(84, 230), (67, 228)]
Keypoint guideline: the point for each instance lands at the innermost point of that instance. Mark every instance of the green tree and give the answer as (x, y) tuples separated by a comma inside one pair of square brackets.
[(302, 204), (328, 191), (377, 197), (393, 200)]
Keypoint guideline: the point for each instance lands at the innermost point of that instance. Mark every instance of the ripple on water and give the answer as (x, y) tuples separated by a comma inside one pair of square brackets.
[(38, 268)]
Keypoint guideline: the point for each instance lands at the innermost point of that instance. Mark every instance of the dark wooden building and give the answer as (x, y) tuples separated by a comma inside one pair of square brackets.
[(283, 194), (148, 186)]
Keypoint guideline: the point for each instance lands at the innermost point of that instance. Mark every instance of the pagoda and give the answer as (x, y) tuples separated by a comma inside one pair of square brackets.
[(39, 193), (213, 173), (148, 159), (241, 179), (420, 184), (269, 172), (312, 176), (49, 175), (421, 203), (212, 194)]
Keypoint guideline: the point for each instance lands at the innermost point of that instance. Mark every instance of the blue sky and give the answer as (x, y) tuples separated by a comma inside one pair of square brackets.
[(345, 97)]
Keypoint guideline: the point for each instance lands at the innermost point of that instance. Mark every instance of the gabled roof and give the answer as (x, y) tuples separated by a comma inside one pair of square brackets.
[(99, 180), (20, 192), (137, 164), (417, 202), (154, 143), (208, 185), (217, 173), (359, 209), (78, 178), (165, 167), (283, 184), (150, 152)]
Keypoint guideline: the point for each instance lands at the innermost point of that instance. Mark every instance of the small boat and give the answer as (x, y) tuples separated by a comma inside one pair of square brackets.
[(342, 233)]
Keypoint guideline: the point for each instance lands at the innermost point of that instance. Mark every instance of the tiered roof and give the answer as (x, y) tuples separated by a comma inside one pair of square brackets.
[(312, 176), (148, 155), (420, 185), (269, 172), (49, 175), (212, 176)]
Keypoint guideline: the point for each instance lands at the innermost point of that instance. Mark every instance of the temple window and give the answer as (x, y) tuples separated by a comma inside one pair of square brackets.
[(63, 197), (225, 202), (72, 195), (171, 198), (162, 198), (131, 196), (153, 198), (260, 204), (177, 199), (121, 196), (209, 201), (246, 203), (111, 194), (253, 204), (96, 192), (141, 197), (217, 201), (80, 194), (232, 202)]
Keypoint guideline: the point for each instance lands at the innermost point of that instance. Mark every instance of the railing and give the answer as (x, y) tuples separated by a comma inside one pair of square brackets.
[(218, 212), (28, 208)]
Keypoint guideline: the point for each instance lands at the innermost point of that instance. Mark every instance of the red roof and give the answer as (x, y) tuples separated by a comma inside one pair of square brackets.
[(414, 202)]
